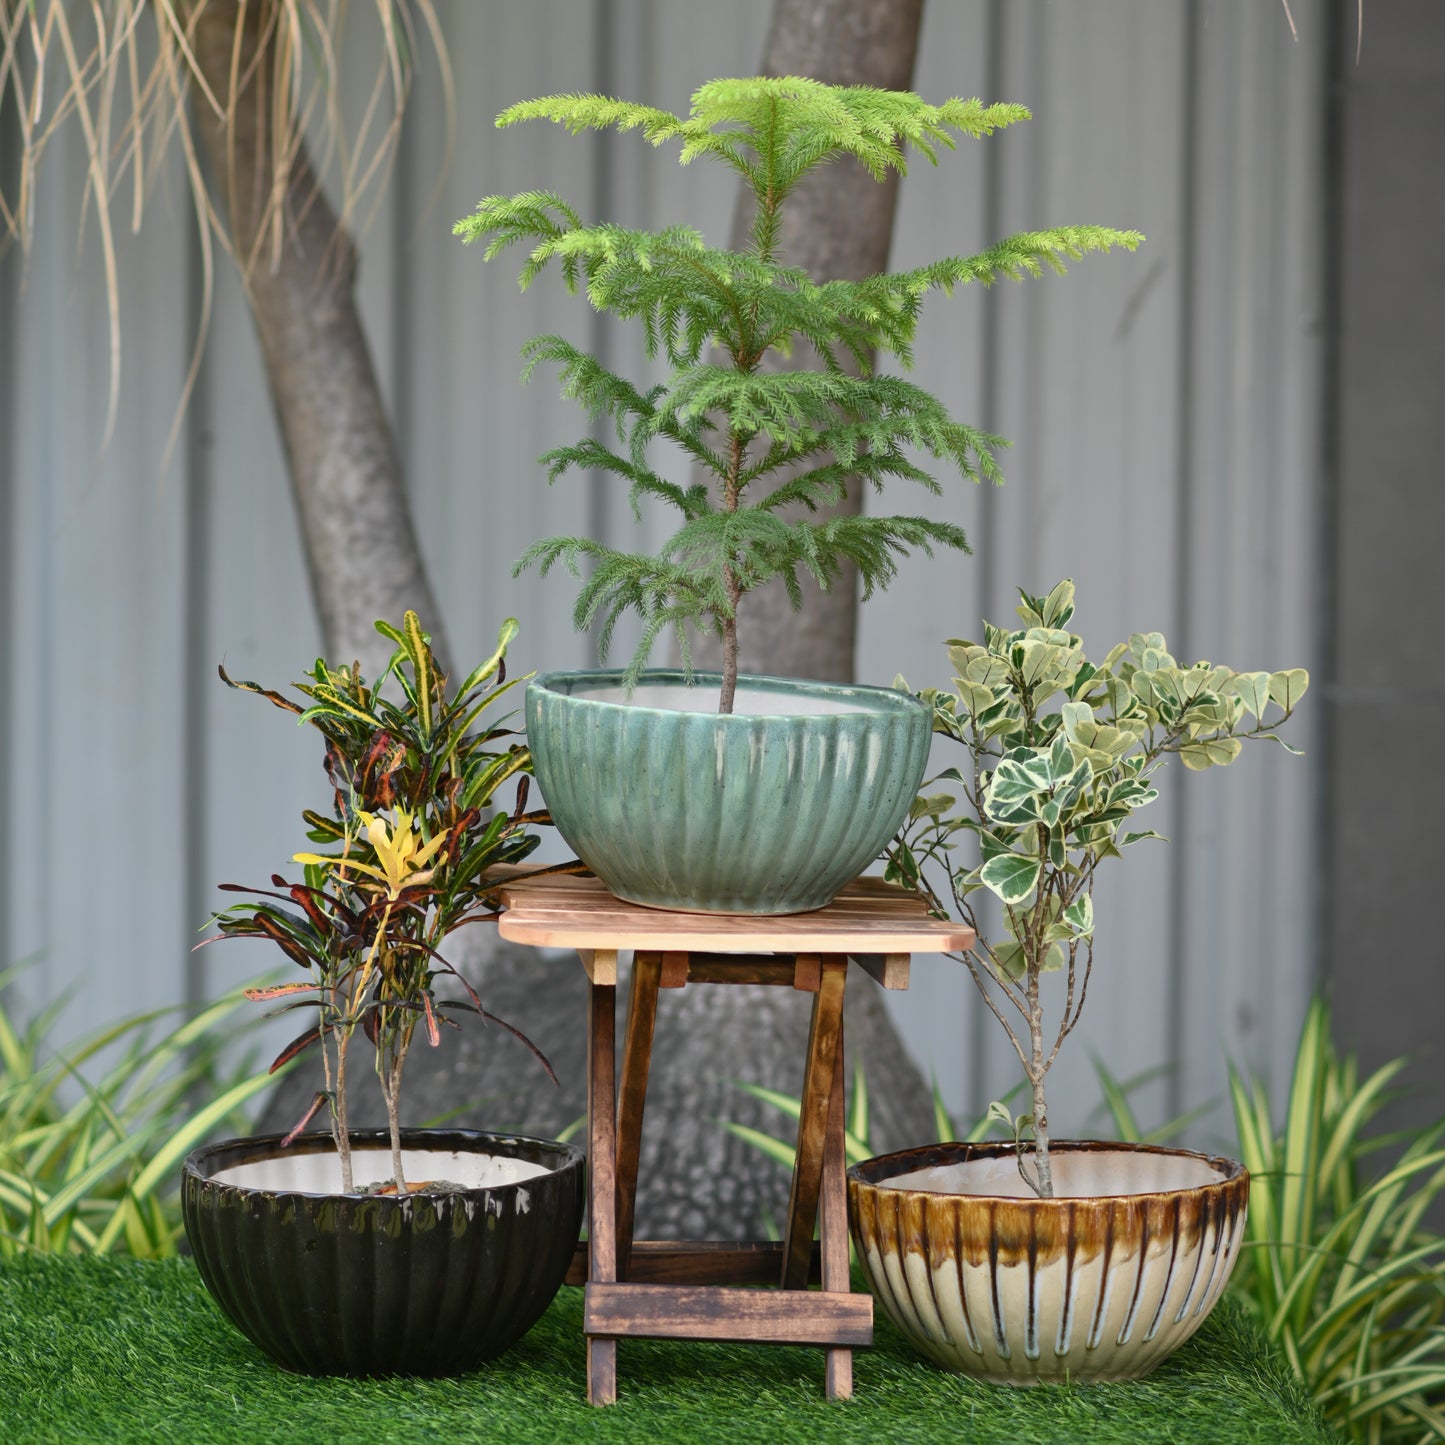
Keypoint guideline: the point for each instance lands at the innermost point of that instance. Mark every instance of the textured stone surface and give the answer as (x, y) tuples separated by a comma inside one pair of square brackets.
[(696, 1179)]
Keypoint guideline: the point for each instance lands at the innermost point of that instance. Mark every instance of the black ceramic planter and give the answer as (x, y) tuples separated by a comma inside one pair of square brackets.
[(352, 1284)]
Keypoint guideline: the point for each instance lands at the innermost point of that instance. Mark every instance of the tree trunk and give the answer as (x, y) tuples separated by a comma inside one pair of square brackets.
[(697, 1180), (838, 226), (361, 548)]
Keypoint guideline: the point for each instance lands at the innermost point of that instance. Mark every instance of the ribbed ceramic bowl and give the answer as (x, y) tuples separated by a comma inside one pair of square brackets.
[(771, 809), (1101, 1282), (350, 1284)]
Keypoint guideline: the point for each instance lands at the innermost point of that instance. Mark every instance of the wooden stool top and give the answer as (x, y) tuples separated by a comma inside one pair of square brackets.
[(868, 917)]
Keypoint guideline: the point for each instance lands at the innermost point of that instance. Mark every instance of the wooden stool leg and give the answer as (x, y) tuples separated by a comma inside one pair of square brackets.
[(636, 1058), (834, 1210), (824, 1039), (602, 1171)]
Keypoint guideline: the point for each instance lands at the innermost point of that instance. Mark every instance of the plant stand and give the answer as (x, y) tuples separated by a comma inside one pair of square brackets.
[(680, 1289)]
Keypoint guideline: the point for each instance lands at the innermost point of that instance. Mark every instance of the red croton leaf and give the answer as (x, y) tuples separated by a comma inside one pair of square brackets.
[(280, 701), (282, 940), (302, 896), (299, 1045), (260, 995), (459, 831)]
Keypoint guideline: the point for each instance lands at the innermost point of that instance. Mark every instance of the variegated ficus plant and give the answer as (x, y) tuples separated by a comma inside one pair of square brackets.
[(1060, 753), (407, 850)]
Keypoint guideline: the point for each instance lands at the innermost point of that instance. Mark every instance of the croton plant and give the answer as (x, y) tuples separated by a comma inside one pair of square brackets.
[(407, 852)]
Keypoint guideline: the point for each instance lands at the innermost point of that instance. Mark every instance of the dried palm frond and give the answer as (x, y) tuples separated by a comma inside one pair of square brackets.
[(136, 79)]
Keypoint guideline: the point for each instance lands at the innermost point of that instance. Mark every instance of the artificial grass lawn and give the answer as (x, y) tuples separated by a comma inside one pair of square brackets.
[(118, 1350)]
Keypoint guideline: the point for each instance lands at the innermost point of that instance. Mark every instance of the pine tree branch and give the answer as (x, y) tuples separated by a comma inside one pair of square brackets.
[(746, 421)]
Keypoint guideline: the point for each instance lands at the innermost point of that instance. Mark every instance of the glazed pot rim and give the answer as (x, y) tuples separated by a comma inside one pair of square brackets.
[(867, 697), (875, 1173), (268, 1146)]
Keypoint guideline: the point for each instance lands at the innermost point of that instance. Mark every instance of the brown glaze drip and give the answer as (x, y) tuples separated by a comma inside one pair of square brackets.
[(975, 1228), (1138, 1243)]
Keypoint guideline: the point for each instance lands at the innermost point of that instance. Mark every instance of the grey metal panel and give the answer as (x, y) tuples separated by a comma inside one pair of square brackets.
[(941, 210), (1099, 389), (260, 769), (473, 433), (1388, 695), (1247, 945), (1163, 406), (95, 622), (1107, 395), (1084, 383), (10, 276)]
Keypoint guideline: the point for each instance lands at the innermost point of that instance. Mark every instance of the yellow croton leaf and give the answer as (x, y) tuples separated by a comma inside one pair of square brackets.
[(399, 849)]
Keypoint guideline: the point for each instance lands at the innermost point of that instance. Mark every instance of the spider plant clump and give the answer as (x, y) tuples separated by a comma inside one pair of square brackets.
[(1059, 754), (1345, 1271), (411, 839), (92, 1133), (741, 405)]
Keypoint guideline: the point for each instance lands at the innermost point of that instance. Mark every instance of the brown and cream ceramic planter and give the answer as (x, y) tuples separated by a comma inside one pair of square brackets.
[(1101, 1282)]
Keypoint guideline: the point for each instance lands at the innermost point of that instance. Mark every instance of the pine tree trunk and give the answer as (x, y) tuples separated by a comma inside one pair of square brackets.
[(361, 548), (838, 226)]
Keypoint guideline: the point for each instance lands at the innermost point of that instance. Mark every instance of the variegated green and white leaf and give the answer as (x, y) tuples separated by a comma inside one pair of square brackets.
[(1287, 687), (1008, 959), (975, 696), (1011, 877), (1252, 688), (1079, 915), (1210, 753), (1059, 604)]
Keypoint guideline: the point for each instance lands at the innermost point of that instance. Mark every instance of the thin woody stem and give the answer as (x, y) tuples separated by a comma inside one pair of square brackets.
[(1044, 1184), (339, 1128), (731, 585), (392, 1091), (979, 979)]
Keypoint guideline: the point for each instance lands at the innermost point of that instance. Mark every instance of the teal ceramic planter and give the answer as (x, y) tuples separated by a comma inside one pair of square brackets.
[(771, 809)]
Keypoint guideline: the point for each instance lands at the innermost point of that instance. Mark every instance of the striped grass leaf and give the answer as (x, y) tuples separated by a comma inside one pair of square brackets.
[(855, 1146), (90, 1136), (858, 1113), (166, 1160), (1340, 1266), (1123, 1117), (779, 1151), (856, 1143), (942, 1123)]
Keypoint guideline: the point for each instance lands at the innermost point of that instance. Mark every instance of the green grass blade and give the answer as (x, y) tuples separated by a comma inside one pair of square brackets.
[(1116, 1099), (787, 1103), (858, 1115), (1302, 1133), (168, 1158), (775, 1149), (942, 1124)]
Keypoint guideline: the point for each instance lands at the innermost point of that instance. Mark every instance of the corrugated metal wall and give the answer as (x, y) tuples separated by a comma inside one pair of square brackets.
[(1165, 410)]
